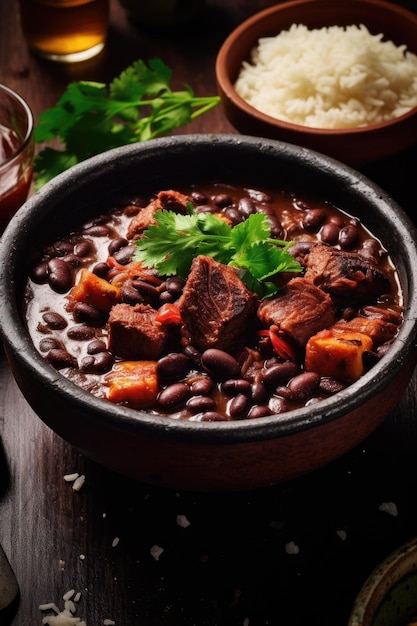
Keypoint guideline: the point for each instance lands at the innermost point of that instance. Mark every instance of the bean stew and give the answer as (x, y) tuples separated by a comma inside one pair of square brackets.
[(204, 347)]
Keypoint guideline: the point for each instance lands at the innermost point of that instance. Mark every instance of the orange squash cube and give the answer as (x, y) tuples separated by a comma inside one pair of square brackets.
[(95, 291), (337, 354), (134, 383)]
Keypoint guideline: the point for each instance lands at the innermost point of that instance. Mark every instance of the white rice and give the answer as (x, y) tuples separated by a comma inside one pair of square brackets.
[(330, 77)]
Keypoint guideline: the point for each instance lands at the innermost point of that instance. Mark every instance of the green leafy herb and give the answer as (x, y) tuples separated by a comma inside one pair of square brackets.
[(92, 117), (248, 247)]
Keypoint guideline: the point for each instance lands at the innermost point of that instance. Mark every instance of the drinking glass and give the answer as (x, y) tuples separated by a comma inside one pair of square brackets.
[(16, 153), (65, 30)]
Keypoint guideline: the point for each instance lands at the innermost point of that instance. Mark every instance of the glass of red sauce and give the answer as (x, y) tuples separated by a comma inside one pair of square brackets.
[(16, 153)]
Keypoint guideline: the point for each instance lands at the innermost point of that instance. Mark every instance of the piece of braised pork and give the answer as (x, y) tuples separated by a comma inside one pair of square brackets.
[(216, 306), (348, 277), (168, 200), (134, 332), (299, 310)]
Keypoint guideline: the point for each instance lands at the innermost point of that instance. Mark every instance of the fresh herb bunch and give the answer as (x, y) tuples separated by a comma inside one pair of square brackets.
[(247, 247), (92, 117)]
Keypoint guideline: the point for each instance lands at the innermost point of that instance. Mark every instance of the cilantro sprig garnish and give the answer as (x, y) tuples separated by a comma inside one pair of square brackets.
[(92, 117), (247, 247)]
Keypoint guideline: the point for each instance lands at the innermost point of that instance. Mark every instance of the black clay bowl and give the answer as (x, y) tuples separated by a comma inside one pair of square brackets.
[(179, 453)]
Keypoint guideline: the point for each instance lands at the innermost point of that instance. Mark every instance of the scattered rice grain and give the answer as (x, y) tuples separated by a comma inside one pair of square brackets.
[(291, 548), (182, 521), (390, 508), (69, 478), (156, 552), (78, 483)]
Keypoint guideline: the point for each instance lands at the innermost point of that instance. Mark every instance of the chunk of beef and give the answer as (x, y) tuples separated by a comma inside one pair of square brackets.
[(169, 200), (300, 310), (348, 277), (381, 325), (216, 306), (134, 333)]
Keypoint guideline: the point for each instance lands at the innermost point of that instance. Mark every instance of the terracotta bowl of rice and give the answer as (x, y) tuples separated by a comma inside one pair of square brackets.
[(338, 77), (191, 371)]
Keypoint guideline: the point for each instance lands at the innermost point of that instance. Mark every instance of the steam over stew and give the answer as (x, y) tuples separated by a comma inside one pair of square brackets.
[(201, 326)]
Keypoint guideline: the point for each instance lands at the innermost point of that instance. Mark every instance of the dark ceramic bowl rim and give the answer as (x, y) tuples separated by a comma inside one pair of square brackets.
[(377, 584), (16, 339), (227, 85)]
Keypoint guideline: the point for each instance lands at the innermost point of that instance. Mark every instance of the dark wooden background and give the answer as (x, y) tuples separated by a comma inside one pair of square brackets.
[(224, 560)]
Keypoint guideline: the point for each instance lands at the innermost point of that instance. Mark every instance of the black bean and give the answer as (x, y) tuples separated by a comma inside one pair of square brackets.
[(348, 237), (49, 343), (117, 244), (84, 312), (130, 295), (193, 354), (61, 248), (39, 273), (213, 416), (238, 405), (278, 405), (166, 297), (201, 386), (98, 363), (259, 196), (371, 247), (199, 197), (95, 346), (259, 392), (72, 260), (145, 288), (330, 233), (233, 215), (173, 366), (313, 219), (280, 373), (330, 385), (222, 200), (54, 320), (101, 269), (303, 385), (369, 359), (233, 386), (59, 275), (259, 410), (246, 207), (80, 332), (300, 249), (275, 225), (220, 364), (124, 255), (198, 404), (61, 359), (84, 248), (173, 396), (175, 285), (98, 230)]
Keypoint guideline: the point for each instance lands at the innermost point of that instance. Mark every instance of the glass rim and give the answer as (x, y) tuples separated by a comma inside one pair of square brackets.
[(27, 139)]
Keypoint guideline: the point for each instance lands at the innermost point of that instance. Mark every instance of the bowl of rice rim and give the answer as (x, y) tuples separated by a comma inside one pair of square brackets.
[(339, 78)]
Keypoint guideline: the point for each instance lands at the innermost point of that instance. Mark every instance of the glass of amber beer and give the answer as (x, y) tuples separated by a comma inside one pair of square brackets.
[(16, 153), (65, 30)]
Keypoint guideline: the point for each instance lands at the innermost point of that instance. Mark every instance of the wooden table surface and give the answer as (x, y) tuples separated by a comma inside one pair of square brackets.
[(141, 556)]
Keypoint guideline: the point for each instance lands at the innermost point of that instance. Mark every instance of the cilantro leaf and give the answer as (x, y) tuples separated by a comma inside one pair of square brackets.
[(92, 117), (171, 244)]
